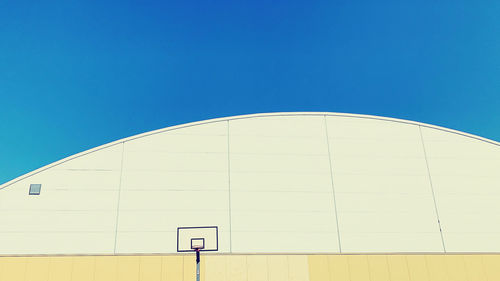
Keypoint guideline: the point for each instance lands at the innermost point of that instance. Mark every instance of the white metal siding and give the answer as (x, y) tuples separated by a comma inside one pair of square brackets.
[(269, 182), (465, 175)]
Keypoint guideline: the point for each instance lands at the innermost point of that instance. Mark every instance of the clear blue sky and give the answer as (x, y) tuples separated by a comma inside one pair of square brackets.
[(78, 74)]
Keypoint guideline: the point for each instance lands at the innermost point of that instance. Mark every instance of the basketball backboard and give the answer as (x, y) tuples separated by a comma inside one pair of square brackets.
[(193, 238)]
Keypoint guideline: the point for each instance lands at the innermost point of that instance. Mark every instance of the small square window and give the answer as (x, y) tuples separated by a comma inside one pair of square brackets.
[(35, 189)]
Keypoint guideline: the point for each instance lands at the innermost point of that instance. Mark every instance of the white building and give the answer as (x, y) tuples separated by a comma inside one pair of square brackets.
[(294, 184)]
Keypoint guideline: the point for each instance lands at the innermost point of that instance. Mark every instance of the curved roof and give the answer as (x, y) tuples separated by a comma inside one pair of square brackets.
[(273, 183)]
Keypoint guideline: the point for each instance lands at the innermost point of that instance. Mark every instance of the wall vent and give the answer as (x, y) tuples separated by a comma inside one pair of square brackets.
[(35, 188)]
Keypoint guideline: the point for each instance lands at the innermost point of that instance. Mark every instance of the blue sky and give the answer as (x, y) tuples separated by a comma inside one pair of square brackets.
[(78, 74)]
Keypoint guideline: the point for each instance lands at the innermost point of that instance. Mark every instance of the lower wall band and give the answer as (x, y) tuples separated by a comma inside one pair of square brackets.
[(253, 268)]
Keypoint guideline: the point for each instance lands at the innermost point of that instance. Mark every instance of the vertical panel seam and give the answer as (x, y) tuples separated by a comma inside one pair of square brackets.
[(368, 268), (48, 269), (72, 267), (388, 267), (426, 263), (432, 188), (119, 194), (229, 190), (427, 273), (25, 268), (139, 272), (288, 267), (267, 265), (246, 267), (94, 268), (328, 269), (407, 267), (161, 268), (333, 186)]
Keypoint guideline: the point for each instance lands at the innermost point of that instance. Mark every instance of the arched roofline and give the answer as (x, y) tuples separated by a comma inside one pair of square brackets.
[(238, 117)]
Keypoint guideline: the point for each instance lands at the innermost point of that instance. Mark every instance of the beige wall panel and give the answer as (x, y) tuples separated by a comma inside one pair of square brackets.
[(280, 168), (338, 267), (83, 269), (358, 268), (456, 267), (170, 161), (298, 269), (59, 221), (172, 268), (466, 178), (398, 267), (181, 200), (169, 220), (150, 268), (285, 221), (190, 267), (13, 269), (280, 181), (77, 203), (282, 242), (152, 242), (436, 267), (276, 201), (177, 180), (106, 268), (417, 267), (237, 268), (278, 267), (37, 269), (491, 265), (474, 268), (128, 268), (171, 179), (389, 184), (482, 242), (378, 267), (254, 267), (257, 268), (307, 164), (216, 268), (26, 243), (403, 244), (379, 167), (60, 268), (319, 268)]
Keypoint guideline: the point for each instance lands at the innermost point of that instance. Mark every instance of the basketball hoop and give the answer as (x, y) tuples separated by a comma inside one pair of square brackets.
[(197, 239)]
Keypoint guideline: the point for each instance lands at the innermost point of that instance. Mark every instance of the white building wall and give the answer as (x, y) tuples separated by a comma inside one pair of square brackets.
[(74, 213), (281, 190), (270, 182), (465, 175), (384, 197), (171, 179)]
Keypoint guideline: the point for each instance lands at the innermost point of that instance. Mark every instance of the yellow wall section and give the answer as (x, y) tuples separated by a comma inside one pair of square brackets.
[(404, 267), (254, 268)]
